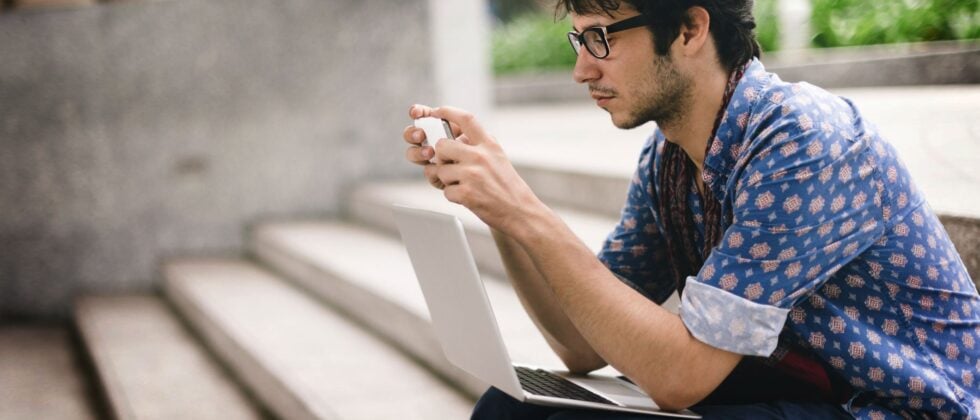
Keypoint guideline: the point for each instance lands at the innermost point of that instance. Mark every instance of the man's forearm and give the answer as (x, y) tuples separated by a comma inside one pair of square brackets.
[(540, 303), (644, 341)]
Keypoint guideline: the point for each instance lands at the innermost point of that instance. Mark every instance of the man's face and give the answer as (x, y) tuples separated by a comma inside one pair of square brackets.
[(633, 84)]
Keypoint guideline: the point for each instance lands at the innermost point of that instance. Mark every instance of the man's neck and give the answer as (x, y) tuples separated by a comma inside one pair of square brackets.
[(692, 130)]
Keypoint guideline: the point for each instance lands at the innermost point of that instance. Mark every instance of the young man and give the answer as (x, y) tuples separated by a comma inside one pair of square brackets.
[(815, 280)]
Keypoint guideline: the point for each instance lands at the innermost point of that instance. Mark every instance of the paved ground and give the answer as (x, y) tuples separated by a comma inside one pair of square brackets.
[(935, 128)]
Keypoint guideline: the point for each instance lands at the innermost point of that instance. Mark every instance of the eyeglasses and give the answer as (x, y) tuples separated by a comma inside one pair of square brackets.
[(594, 38)]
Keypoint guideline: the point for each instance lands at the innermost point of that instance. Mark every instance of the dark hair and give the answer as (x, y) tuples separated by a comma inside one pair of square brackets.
[(732, 24)]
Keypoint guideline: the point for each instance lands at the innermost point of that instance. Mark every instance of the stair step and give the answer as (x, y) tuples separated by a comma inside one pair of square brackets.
[(150, 366), (301, 359), (599, 193), (44, 4), (39, 376), (371, 204), (368, 275), (570, 154)]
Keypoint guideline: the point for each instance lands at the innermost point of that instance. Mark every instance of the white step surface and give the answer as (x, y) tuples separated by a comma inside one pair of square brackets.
[(369, 275), (301, 359), (371, 204), (39, 377), (150, 366)]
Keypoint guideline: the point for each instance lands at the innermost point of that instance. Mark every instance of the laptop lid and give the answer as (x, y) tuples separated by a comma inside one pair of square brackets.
[(462, 316)]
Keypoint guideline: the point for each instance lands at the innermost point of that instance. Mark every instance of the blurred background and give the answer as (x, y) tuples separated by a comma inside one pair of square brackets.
[(526, 39), (194, 194)]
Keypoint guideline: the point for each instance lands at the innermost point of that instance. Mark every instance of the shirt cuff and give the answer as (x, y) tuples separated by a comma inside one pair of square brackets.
[(730, 322)]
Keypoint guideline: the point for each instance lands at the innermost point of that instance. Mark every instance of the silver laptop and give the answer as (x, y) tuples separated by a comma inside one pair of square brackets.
[(466, 327)]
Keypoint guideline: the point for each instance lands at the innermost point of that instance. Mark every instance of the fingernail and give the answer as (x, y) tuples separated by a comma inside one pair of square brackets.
[(417, 135), (427, 152)]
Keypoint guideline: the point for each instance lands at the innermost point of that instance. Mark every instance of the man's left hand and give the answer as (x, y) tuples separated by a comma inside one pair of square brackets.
[(477, 174)]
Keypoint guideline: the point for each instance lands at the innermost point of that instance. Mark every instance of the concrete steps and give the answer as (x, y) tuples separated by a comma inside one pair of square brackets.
[(40, 377), (150, 367), (300, 359), (368, 275), (370, 204)]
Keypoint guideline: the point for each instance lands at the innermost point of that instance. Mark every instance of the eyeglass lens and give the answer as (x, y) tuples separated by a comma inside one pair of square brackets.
[(594, 42)]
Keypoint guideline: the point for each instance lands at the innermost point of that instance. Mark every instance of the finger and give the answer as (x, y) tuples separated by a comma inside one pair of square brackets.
[(454, 193), (451, 151), (419, 111), (455, 128), (431, 175), (450, 174), (419, 155), (465, 139), (466, 121), (413, 135)]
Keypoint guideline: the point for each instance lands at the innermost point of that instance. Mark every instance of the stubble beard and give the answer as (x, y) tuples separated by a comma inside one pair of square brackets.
[(662, 96)]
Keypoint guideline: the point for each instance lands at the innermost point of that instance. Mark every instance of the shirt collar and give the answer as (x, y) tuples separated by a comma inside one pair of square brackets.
[(729, 139)]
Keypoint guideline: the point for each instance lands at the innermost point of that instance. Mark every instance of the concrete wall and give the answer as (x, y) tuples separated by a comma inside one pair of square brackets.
[(132, 131), (965, 234), (931, 63), (460, 44)]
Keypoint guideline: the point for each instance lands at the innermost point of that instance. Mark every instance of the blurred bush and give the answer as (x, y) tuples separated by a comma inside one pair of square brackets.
[(532, 41), (536, 42), (767, 24), (858, 22)]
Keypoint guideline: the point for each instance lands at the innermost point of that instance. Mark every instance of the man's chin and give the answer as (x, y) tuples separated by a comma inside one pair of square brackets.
[(624, 121)]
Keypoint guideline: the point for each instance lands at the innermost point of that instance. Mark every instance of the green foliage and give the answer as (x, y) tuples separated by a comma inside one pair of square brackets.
[(533, 41), (860, 22), (767, 24)]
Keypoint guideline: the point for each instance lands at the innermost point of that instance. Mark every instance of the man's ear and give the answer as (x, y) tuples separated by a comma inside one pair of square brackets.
[(695, 29)]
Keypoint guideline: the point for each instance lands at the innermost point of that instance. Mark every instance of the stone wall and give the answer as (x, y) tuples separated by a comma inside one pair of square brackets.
[(931, 63), (965, 234), (139, 130)]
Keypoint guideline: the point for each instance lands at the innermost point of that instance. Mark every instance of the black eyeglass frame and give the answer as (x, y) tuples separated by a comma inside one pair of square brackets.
[(603, 31)]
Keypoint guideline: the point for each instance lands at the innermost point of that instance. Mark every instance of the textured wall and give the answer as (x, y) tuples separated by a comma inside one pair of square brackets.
[(139, 130), (965, 234)]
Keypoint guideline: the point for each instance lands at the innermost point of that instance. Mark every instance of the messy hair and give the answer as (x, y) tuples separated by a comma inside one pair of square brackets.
[(732, 24)]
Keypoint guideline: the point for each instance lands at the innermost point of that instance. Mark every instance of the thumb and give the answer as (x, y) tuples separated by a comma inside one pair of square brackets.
[(466, 121)]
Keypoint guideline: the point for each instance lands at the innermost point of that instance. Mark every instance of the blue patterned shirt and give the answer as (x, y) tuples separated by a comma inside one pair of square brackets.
[(829, 246)]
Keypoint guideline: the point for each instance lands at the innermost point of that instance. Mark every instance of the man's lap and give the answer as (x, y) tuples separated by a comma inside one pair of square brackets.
[(496, 404)]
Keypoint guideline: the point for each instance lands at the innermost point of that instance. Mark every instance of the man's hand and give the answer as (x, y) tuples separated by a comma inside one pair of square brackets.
[(419, 154), (474, 171)]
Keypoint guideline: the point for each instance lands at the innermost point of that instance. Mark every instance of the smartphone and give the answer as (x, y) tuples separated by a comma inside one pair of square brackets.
[(435, 129)]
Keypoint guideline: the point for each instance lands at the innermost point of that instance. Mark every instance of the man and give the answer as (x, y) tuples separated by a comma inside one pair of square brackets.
[(815, 281)]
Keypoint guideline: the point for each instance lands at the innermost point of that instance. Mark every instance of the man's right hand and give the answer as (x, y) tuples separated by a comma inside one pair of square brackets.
[(419, 154)]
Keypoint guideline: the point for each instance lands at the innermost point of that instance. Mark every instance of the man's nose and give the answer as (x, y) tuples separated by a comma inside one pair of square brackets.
[(586, 68)]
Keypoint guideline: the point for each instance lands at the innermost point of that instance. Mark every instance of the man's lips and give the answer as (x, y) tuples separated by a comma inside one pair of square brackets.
[(601, 97)]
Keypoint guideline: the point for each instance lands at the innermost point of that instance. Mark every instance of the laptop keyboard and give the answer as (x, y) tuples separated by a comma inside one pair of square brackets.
[(542, 382)]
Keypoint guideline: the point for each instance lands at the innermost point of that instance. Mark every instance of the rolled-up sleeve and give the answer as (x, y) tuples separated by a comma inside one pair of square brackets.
[(808, 204), (730, 322)]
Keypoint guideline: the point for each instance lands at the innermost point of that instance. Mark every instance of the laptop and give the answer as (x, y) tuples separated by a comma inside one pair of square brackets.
[(467, 329)]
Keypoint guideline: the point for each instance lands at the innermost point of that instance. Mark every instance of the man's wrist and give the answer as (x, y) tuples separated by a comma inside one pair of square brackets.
[(535, 225)]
